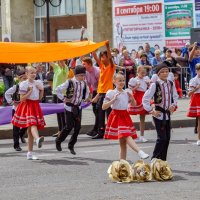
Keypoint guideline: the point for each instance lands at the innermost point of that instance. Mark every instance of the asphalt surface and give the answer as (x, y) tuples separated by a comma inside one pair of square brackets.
[(60, 175)]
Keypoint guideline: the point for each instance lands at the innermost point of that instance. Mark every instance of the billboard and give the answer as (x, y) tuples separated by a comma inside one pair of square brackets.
[(134, 24), (162, 22), (178, 19)]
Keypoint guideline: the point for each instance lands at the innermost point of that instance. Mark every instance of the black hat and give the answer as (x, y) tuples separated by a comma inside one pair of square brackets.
[(161, 66), (20, 72), (79, 69)]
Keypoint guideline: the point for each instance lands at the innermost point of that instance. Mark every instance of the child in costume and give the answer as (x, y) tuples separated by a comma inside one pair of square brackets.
[(194, 93), (165, 99), (29, 114), (139, 86), (76, 90), (120, 125), (12, 96)]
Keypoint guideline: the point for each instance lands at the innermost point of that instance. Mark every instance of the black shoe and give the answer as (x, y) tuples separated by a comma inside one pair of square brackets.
[(92, 133), (98, 136), (195, 130), (72, 151), (18, 149), (58, 146), (23, 140)]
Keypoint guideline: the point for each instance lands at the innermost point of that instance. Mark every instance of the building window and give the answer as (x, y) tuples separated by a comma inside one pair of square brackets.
[(67, 7), (82, 6)]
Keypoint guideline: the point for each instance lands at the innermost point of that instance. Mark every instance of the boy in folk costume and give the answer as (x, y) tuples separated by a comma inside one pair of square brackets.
[(76, 90), (139, 85), (165, 99), (12, 96)]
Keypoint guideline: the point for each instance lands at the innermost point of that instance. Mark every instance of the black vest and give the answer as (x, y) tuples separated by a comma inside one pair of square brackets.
[(16, 95), (70, 90), (158, 93)]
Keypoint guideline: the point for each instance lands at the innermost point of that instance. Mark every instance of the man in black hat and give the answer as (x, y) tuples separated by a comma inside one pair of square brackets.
[(165, 99), (72, 92)]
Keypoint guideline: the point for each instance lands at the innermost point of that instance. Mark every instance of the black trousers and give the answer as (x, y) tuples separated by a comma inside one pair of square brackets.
[(94, 108), (17, 133), (163, 138), (71, 122), (101, 114), (60, 116)]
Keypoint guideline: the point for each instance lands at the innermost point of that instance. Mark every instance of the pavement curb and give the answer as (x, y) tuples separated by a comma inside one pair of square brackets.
[(48, 131)]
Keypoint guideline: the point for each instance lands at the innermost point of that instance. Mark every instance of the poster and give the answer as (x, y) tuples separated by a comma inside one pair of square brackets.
[(197, 5), (135, 24), (176, 43), (179, 20)]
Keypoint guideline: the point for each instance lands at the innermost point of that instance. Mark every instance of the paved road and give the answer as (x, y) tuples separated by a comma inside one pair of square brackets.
[(59, 175)]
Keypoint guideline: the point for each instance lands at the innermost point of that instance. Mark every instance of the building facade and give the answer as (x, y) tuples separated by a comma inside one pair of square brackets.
[(22, 21)]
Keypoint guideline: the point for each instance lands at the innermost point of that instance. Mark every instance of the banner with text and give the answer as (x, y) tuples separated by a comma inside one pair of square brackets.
[(179, 20), (135, 24)]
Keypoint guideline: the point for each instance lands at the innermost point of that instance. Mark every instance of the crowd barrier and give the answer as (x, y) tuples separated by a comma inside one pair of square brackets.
[(184, 77)]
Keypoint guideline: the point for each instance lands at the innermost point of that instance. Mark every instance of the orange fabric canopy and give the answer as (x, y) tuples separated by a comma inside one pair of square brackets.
[(11, 52)]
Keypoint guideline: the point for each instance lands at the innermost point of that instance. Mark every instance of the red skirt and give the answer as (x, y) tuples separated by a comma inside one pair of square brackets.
[(138, 109), (194, 110), (119, 125), (28, 113)]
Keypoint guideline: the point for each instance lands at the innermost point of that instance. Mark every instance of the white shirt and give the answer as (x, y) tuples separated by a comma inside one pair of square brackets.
[(24, 85), (166, 99), (8, 95), (194, 82), (78, 92), (121, 103), (143, 83), (155, 77)]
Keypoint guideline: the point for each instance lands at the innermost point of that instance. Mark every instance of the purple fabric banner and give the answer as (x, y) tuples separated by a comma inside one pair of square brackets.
[(47, 109)]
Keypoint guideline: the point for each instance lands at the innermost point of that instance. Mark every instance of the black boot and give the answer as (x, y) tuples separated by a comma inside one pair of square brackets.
[(72, 151), (196, 125), (98, 136), (58, 145)]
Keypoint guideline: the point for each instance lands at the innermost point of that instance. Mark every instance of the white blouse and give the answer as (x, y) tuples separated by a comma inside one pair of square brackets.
[(143, 83), (194, 82), (121, 103), (24, 85)]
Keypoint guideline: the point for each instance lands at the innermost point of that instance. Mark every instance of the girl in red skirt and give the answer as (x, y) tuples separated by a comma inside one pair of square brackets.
[(28, 113), (120, 125), (194, 92), (139, 85)]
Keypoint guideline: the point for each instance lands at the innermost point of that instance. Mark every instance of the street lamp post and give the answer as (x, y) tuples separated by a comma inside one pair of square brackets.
[(40, 3)]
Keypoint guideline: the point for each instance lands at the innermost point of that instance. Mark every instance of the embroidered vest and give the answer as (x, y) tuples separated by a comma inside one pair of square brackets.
[(70, 90), (158, 93)]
